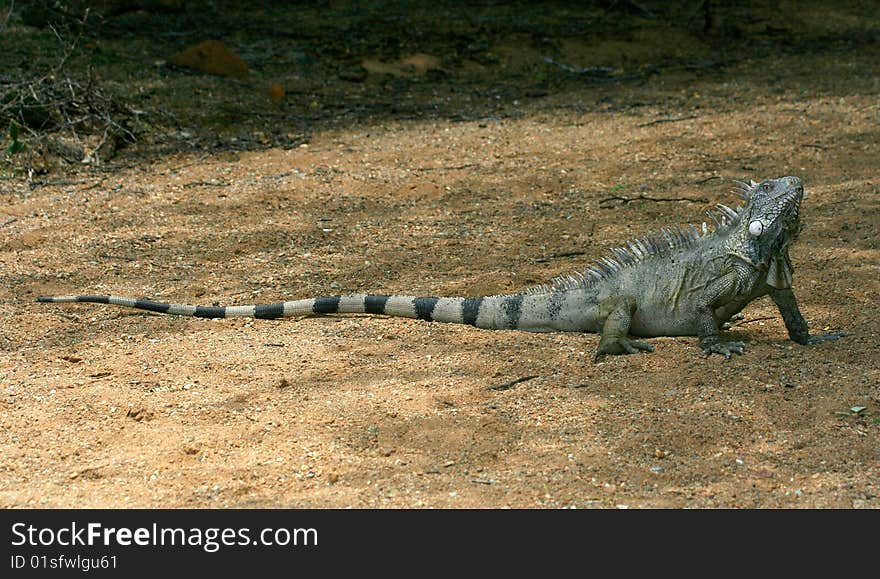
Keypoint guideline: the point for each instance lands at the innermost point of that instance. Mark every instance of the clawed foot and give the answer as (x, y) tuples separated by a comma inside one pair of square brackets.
[(621, 346), (713, 345), (734, 318), (825, 338)]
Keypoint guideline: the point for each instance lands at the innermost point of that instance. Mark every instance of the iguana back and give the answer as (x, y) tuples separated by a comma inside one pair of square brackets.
[(682, 281)]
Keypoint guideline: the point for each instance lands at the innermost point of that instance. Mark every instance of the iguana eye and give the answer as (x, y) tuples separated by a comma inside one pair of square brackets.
[(766, 187), (756, 228)]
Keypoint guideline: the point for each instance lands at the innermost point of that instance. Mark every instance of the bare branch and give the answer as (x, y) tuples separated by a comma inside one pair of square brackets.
[(625, 200), (6, 18)]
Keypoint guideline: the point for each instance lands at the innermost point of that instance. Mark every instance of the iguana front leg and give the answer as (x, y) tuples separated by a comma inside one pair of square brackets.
[(733, 283), (795, 323), (618, 312)]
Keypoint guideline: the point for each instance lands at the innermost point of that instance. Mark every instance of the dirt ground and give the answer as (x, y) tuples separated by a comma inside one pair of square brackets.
[(498, 171)]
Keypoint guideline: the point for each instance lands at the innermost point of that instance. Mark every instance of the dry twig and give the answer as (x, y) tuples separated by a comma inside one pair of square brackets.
[(56, 111), (510, 384), (625, 200)]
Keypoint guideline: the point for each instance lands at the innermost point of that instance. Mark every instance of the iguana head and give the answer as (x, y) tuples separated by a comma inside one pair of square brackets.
[(771, 222), (772, 210)]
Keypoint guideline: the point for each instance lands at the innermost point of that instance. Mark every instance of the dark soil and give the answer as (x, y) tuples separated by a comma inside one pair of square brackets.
[(544, 136)]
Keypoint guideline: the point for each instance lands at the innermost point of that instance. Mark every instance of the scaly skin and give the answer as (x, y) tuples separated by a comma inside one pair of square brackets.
[(749, 260), (679, 282)]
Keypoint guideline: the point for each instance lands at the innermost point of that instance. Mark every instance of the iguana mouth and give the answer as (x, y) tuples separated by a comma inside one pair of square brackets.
[(793, 201), (791, 204)]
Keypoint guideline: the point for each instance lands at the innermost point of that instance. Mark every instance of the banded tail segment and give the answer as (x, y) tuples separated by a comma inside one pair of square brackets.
[(482, 312)]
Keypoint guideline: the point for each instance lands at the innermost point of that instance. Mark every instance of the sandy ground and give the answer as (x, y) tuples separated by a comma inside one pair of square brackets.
[(105, 407)]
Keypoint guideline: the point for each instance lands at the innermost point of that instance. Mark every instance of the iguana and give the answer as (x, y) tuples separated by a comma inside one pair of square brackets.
[(683, 281)]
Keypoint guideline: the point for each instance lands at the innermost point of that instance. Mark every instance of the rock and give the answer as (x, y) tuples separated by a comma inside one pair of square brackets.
[(213, 57), (413, 65), (140, 414), (420, 63), (276, 93)]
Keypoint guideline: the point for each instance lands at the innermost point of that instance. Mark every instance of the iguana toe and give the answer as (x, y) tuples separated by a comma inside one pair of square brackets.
[(825, 338), (726, 349), (734, 318), (633, 346), (621, 346)]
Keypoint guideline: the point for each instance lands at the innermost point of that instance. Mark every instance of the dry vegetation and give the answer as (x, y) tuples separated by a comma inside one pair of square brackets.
[(539, 140)]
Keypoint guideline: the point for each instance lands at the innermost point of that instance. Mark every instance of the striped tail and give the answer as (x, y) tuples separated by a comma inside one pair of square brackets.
[(483, 312)]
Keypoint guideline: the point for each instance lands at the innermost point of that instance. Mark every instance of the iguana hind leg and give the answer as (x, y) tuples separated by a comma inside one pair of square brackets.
[(618, 312)]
